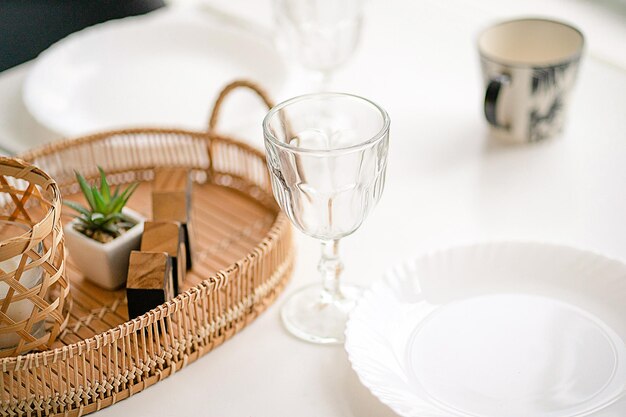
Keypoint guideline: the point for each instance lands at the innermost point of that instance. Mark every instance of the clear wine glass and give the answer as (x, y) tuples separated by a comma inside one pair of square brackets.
[(327, 156), (320, 34)]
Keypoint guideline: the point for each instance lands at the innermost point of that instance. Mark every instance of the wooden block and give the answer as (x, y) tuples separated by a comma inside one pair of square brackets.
[(171, 206), (172, 179), (149, 282), (168, 237), (171, 201), (171, 194), (175, 206)]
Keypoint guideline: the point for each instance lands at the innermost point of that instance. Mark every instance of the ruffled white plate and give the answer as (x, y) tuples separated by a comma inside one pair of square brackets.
[(163, 69), (496, 330)]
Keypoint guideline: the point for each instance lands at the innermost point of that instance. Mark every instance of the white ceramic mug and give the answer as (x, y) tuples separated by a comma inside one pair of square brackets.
[(529, 68)]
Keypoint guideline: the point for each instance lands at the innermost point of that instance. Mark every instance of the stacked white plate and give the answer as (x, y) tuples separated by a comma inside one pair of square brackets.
[(161, 69), (496, 330)]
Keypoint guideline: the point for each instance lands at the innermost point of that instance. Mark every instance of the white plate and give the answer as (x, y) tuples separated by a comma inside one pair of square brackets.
[(496, 330), (163, 69)]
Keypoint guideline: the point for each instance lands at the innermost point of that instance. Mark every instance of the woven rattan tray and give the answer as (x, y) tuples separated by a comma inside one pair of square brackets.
[(244, 257)]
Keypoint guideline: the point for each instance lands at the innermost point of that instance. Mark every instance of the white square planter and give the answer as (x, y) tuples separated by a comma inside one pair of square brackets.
[(104, 264)]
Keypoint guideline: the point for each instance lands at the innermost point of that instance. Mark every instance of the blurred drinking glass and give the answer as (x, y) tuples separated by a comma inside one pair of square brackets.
[(321, 35)]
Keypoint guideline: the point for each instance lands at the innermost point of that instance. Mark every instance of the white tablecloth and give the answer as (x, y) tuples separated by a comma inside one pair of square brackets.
[(447, 184)]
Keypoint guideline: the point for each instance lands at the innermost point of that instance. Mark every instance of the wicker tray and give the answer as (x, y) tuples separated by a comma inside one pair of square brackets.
[(243, 260)]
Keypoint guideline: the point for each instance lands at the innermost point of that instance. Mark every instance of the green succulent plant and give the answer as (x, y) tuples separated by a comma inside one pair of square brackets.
[(103, 220)]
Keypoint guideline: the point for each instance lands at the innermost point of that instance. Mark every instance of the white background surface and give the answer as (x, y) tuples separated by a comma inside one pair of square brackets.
[(447, 183)]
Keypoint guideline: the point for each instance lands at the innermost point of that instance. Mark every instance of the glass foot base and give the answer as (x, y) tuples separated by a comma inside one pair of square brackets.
[(312, 315)]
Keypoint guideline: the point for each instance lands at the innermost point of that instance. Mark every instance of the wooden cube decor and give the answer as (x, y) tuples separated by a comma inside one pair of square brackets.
[(172, 179), (150, 282), (171, 201), (168, 237)]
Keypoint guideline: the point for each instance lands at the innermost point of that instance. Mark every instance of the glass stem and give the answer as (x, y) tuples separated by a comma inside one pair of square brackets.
[(325, 79), (330, 267)]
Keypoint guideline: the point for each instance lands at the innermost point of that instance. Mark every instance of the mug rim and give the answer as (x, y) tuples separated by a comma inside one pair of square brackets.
[(296, 149), (517, 64)]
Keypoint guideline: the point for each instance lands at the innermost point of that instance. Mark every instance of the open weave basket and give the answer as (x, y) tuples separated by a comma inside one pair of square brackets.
[(28, 196), (88, 370)]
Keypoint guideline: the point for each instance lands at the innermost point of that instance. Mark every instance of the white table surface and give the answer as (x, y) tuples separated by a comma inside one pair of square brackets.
[(447, 184)]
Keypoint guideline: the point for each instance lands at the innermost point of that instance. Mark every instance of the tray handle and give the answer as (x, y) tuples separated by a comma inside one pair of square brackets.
[(215, 113)]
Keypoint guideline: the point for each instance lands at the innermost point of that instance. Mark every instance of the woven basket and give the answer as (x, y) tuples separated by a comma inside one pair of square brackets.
[(244, 258), (31, 316)]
